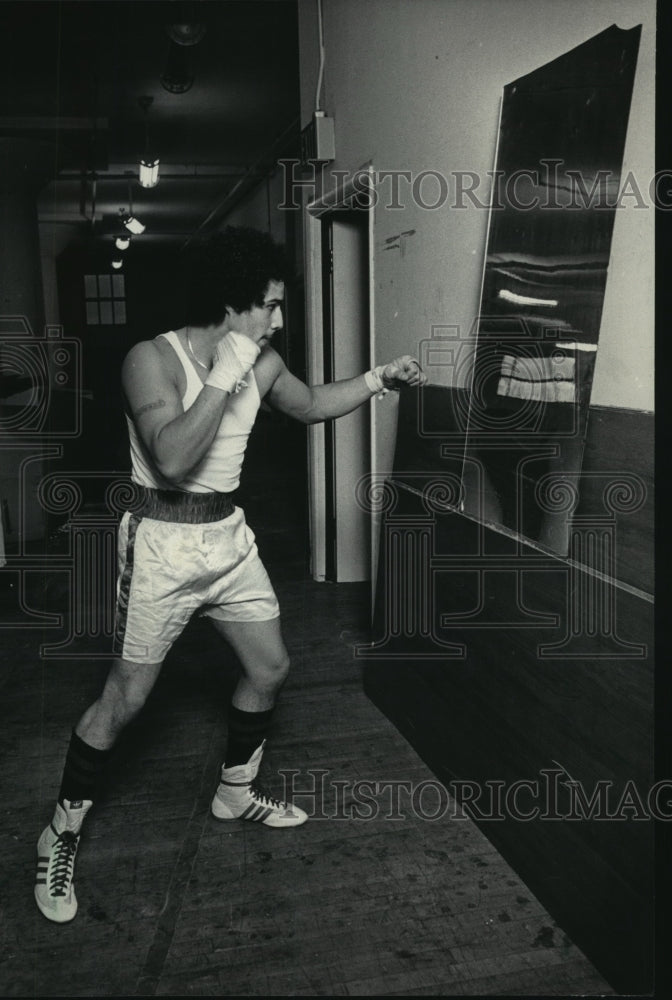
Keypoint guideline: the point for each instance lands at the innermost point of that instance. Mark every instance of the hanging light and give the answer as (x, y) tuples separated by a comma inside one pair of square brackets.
[(149, 164), (122, 242), (128, 219), (178, 75), (184, 34), (117, 263), (132, 224), (149, 173), (188, 33)]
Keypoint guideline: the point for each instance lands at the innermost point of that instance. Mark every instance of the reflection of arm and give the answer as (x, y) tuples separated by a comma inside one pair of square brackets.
[(176, 440), (312, 404)]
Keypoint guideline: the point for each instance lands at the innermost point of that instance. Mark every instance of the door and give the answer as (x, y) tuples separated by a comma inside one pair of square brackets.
[(345, 310)]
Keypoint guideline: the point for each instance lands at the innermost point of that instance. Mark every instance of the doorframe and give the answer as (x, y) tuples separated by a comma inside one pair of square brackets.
[(336, 199)]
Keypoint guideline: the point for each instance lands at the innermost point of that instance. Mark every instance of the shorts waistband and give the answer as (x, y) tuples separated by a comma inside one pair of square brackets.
[(186, 508)]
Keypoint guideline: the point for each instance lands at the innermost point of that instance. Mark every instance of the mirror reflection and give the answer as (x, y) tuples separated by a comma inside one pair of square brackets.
[(559, 159)]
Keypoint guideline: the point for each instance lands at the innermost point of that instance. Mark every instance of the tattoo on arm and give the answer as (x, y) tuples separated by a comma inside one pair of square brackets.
[(156, 405)]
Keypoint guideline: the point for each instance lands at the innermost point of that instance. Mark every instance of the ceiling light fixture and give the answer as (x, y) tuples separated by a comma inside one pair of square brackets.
[(122, 242), (188, 33), (149, 173), (149, 164), (178, 75), (132, 224), (117, 263), (128, 219)]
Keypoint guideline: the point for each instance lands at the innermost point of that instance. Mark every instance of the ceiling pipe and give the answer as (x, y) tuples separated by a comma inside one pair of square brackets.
[(35, 123), (68, 177), (78, 224)]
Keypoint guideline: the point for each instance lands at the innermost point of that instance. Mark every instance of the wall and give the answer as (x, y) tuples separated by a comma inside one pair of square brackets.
[(416, 85), (54, 238), (500, 663), (463, 613)]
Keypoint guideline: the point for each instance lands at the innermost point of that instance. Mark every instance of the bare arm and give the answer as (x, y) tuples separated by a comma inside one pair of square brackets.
[(312, 404), (176, 440)]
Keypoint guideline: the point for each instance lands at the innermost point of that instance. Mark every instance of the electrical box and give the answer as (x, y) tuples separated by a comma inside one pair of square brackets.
[(317, 140)]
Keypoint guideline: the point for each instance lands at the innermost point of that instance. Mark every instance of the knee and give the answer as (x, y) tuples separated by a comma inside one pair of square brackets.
[(273, 674), (282, 668)]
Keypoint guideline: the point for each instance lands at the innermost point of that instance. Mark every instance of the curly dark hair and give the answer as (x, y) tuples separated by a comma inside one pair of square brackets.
[(231, 268)]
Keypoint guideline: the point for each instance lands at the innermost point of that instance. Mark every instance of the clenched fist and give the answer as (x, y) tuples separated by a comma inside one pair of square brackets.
[(405, 370), (234, 356)]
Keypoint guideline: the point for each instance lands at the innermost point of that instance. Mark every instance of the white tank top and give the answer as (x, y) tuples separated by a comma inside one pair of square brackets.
[(219, 470)]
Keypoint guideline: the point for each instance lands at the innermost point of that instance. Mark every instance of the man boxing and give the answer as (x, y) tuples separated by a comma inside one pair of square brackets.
[(192, 396)]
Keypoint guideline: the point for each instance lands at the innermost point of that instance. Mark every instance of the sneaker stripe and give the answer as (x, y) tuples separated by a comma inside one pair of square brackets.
[(261, 817), (252, 808)]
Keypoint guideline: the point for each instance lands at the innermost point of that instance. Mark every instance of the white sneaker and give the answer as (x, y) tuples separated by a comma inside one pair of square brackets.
[(56, 850), (237, 797)]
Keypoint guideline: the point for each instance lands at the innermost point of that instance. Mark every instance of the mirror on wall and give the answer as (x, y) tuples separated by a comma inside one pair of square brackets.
[(556, 187)]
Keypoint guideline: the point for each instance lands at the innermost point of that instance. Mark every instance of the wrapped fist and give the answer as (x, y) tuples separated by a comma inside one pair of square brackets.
[(234, 356), (404, 370)]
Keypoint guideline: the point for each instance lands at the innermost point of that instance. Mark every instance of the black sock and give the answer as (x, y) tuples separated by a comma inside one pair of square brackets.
[(83, 765), (247, 731)]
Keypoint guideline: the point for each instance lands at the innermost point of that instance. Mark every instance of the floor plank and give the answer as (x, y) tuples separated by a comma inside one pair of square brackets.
[(173, 902)]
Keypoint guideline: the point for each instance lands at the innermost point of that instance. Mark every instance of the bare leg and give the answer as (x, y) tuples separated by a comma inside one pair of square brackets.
[(264, 659), (126, 689), (265, 664), (124, 694)]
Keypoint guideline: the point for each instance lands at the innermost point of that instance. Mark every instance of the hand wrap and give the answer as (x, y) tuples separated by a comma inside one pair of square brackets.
[(234, 356), (382, 378), (374, 380)]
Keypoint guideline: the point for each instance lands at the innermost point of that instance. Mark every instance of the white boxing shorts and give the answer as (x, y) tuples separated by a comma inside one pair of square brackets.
[(168, 571)]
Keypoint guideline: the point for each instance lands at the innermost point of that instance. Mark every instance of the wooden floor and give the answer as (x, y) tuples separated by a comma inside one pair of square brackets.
[(173, 902)]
